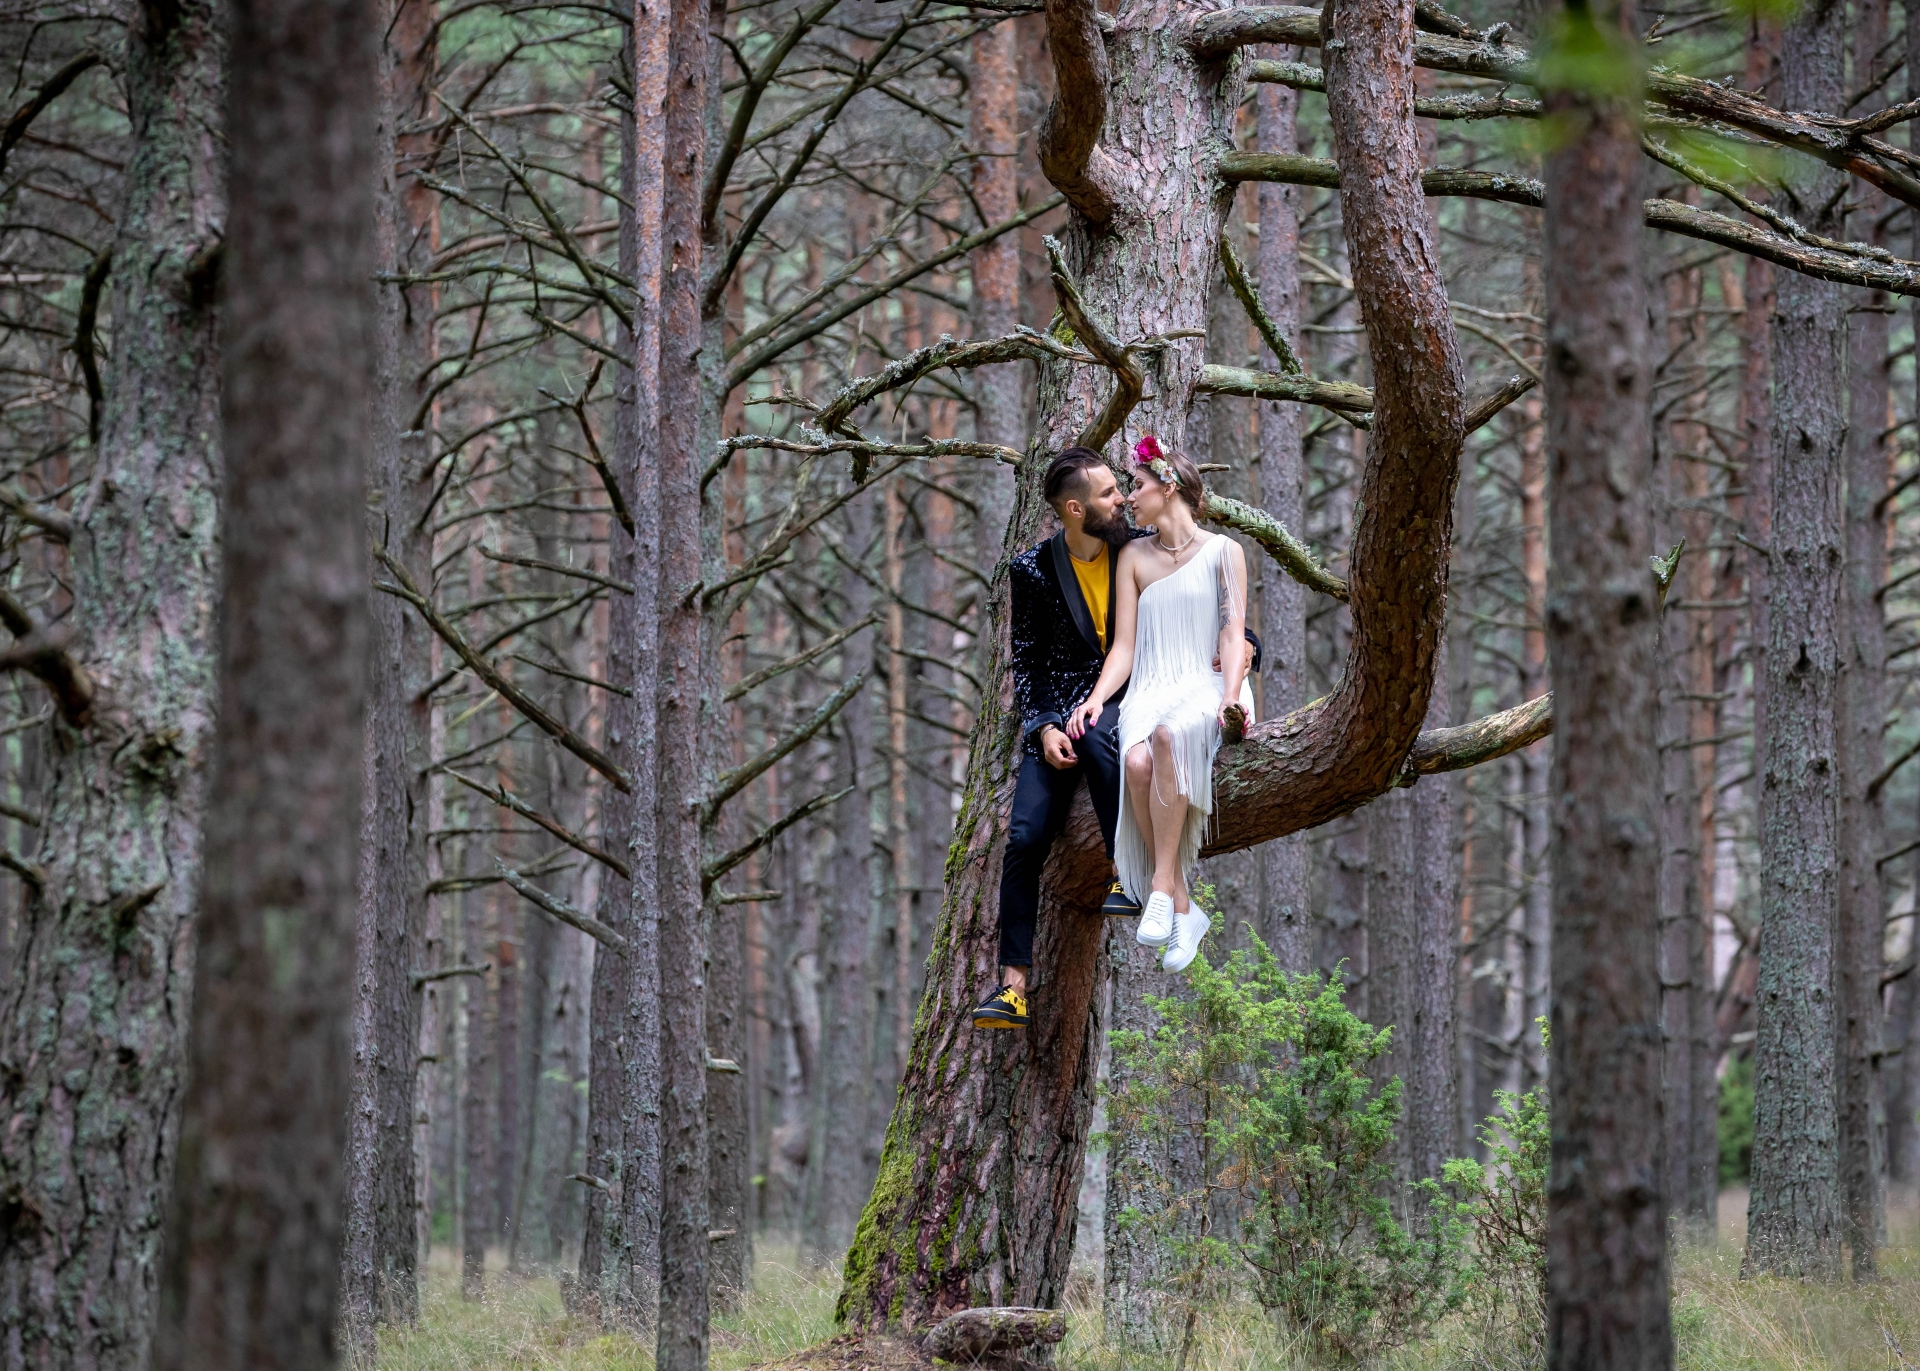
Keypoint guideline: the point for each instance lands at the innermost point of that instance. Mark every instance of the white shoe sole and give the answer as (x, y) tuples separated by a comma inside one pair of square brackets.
[(1183, 949), (1156, 928)]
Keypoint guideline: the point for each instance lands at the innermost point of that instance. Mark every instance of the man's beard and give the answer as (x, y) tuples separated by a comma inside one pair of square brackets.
[(1114, 532)]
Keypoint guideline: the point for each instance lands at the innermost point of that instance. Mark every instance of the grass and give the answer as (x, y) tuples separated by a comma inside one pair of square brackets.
[(1721, 1322)]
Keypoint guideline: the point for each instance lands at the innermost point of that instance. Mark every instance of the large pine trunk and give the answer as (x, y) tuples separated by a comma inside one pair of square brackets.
[(1607, 1237), (92, 1034), (975, 1199), (253, 1259), (1793, 1213)]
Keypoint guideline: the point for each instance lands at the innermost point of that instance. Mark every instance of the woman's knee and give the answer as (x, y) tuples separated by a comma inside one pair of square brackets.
[(1139, 764), (1162, 738)]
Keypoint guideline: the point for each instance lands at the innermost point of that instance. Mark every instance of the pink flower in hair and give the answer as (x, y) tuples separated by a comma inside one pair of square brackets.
[(1147, 453)]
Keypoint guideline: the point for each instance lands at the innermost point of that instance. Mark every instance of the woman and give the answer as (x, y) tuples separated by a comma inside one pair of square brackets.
[(1179, 631)]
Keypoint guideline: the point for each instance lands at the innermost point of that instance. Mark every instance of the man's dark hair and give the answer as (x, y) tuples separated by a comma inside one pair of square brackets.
[(1067, 475)]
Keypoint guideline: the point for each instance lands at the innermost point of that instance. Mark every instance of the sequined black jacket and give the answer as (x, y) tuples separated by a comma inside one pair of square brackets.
[(1056, 653)]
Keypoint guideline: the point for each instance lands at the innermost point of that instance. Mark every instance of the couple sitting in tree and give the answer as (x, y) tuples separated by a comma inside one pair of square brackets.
[(1129, 647)]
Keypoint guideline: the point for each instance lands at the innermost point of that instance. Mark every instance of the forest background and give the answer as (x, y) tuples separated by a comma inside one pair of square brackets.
[(877, 170)]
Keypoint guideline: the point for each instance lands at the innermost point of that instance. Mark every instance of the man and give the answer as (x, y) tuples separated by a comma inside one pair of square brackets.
[(1063, 601)]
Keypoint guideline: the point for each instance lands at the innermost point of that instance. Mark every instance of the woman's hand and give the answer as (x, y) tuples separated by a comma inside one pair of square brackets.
[(1085, 715)]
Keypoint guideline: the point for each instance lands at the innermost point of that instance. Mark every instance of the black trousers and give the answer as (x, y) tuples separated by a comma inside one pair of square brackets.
[(1042, 799)]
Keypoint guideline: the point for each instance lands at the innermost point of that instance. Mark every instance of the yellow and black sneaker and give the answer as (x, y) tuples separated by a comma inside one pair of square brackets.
[(1119, 904), (1004, 1008)]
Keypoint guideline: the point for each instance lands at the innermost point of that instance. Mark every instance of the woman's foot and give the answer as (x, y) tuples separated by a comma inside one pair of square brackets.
[(1192, 926), (1004, 1008), (1156, 920)]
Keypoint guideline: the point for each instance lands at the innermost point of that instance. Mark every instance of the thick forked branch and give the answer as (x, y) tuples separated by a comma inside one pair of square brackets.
[(1838, 142), (1294, 557), (1669, 216), (480, 667), (56, 523), (1024, 346), (1129, 381), (1351, 402), (561, 910), (1483, 740), (1070, 153)]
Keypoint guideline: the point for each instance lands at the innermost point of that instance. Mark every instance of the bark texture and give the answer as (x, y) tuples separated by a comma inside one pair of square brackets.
[(619, 1264), (91, 1033), (1793, 1209), (681, 1343), (1607, 1241), (253, 1256), (975, 1197), (379, 1270), (1861, 931)]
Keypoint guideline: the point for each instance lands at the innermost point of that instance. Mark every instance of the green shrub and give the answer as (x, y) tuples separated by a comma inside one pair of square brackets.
[(1504, 1201), (1736, 1122), (1270, 1070)]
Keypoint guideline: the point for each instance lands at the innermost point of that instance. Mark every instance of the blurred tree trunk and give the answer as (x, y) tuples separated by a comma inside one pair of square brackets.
[(379, 1271), (1607, 1239), (92, 1031), (478, 1218), (1794, 1206), (1286, 909), (253, 1264)]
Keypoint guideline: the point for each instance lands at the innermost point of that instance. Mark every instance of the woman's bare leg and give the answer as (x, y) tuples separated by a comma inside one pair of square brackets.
[(1139, 775), (1169, 811)]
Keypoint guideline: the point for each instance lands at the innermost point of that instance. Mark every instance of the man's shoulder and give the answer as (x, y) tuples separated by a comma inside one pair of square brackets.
[(1029, 564)]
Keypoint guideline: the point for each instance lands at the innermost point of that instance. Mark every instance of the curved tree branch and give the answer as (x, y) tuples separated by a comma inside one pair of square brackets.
[(1070, 154)]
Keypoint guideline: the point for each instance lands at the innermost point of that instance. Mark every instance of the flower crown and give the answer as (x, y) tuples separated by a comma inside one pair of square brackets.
[(1147, 453)]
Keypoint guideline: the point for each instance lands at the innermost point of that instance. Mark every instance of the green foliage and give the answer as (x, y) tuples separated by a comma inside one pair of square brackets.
[(1588, 58), (1505, 1202), (1736, 1122), (1268, 1073)]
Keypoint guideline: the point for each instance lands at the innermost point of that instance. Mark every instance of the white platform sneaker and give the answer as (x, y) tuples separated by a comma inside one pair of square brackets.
[(1156, 921), (1190, 928)]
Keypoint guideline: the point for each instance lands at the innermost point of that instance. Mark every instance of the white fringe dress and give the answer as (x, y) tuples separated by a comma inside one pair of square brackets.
[(1176, 636)]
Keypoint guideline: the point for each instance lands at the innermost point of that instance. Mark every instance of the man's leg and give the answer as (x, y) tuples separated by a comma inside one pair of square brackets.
[(1099, 750), (1042, 798)]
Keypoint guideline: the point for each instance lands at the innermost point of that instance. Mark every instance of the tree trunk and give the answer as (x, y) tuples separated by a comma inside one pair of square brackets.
[(253, 1257), (681, 1343), (379, 1272), (1793, 1211), (975, 1196), (92, 1028), (1607, 1240), (1903, 1017), (993, 116), (620, 1251), (1286, 907), (1861, 722)]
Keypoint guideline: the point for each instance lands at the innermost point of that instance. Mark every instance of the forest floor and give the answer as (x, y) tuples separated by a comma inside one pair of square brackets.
[(1721, 1322)]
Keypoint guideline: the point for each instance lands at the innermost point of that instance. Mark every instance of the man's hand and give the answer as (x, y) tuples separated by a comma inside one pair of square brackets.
[(1056, 748)]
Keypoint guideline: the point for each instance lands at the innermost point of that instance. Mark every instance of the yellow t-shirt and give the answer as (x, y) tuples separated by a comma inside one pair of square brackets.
[(1094, 579)]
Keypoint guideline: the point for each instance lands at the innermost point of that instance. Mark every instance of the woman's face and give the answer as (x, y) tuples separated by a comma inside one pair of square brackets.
[(1149, 498)]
